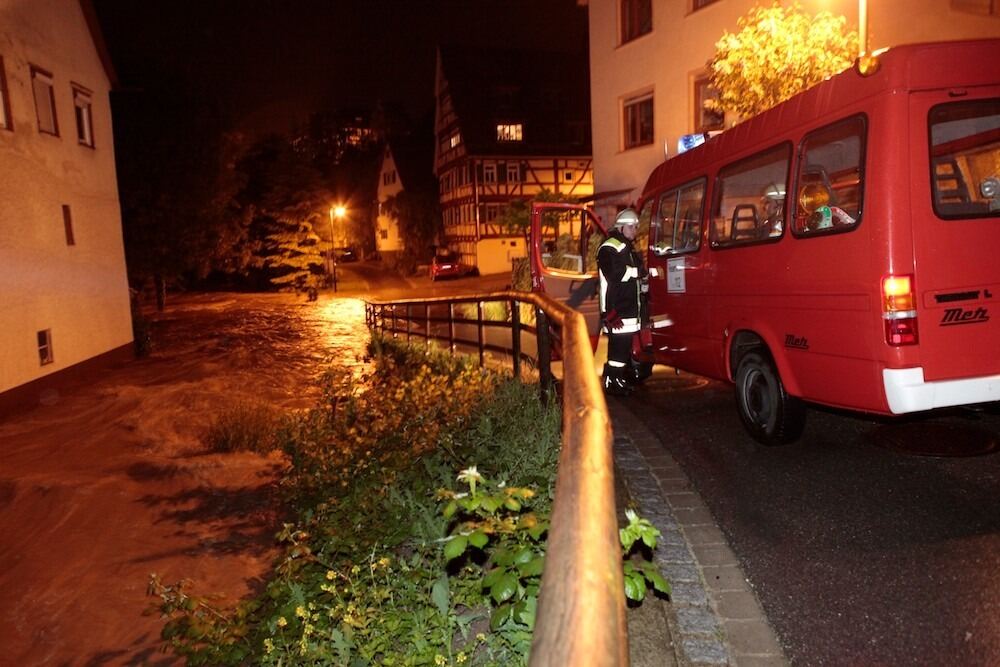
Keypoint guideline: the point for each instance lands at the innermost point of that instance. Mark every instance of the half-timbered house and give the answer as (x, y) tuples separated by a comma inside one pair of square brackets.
[(509, 125)]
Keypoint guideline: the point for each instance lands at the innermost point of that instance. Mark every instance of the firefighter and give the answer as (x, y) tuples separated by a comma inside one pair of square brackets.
[(619, 269)]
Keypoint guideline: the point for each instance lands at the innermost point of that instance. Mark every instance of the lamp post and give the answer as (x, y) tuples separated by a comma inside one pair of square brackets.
[(335, 212)]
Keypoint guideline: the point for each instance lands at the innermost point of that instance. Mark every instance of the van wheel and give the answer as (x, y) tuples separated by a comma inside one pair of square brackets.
[(770, 415)]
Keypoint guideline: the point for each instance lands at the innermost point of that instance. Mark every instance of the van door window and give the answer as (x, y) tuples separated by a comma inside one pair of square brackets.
[(750, 198), (569, 242), (679, 220), (965, 158), (830, 182)]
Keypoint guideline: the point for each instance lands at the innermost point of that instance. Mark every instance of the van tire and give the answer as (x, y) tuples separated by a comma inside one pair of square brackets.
[(770, 415)]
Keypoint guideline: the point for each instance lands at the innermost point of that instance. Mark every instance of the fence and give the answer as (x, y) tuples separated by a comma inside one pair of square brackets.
[(581, 612)]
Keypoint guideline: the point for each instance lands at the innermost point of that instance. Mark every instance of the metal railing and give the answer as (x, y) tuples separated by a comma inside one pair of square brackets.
[(581, 611)]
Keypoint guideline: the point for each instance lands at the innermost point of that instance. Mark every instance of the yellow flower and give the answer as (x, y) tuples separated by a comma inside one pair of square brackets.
[(268, 645), (460, 658), (355, 569), (300, 611), (481, 637), (384, 562), (331, 575), (440, 660), (282, 622)]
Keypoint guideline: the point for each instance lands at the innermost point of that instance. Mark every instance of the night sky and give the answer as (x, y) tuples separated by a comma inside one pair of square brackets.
[(273, 62)]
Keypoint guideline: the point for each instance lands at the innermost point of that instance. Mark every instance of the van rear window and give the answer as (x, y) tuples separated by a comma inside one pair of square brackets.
[(965, 158)]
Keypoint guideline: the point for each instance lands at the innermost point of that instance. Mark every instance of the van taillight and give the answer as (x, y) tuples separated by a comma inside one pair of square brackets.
[(899, 310)]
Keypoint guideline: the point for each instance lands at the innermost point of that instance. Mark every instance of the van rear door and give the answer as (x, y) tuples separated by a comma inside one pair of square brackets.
[(955, 180)]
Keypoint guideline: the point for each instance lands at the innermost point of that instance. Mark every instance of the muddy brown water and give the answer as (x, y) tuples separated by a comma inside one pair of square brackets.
[(109, 481)]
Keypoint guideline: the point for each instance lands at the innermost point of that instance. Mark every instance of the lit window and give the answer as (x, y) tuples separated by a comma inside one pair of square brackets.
[(637, 19), (84, 123), (706, 120), (454, 140), (637, 121), (45, 346), (510, 132), (6, 122), (513, 173), (489, 173), (45, 101)]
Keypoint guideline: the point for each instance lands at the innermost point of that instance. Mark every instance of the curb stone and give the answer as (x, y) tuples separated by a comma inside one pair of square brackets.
[(714, 615)]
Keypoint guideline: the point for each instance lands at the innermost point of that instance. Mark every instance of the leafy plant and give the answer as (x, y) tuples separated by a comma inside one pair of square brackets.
[(776, 53), (638, 577)]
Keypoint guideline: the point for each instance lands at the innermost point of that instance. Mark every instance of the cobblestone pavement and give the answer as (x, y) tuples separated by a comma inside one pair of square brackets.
[(714, 617)]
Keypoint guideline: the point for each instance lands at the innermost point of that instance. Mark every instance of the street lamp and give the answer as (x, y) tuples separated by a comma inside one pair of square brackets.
[(335, 212)]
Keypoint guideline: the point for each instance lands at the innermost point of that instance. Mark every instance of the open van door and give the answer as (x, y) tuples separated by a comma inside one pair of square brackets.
[(563, 243)]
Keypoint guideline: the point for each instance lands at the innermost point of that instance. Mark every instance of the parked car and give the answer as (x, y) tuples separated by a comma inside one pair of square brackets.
[(345, 254), (447, 264)]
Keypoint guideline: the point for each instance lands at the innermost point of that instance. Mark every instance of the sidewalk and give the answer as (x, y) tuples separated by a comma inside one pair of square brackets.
[(714, 617)]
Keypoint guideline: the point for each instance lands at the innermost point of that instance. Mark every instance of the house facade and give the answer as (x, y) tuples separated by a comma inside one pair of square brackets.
[(388, 240), (648, 75), (508, 125), (64, 298)]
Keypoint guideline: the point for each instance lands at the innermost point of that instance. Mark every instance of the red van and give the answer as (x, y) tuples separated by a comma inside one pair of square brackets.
[(842, 248)]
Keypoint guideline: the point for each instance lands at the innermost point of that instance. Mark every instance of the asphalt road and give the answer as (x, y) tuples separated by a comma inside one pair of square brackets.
[(869, 542)]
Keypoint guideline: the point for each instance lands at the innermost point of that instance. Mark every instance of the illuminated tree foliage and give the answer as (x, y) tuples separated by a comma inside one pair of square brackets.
[(776, 53)]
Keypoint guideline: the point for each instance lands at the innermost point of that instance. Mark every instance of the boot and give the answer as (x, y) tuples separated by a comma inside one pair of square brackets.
[(614, 381)]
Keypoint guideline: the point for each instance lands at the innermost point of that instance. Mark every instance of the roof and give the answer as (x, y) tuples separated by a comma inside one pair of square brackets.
[(548, 92), (98, 38)]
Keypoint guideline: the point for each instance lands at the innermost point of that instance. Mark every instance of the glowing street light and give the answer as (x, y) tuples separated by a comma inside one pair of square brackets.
[(336, 211)]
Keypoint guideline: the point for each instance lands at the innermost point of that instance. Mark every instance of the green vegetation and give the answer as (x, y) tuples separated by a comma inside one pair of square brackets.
[(777, 52), (423, 495)]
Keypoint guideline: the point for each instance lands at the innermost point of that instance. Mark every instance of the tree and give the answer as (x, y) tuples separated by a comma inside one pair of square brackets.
[(418, 214), (777, 53), (285, 199)]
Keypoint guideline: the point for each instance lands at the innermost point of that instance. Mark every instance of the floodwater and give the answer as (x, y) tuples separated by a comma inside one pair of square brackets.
[(110, 481)]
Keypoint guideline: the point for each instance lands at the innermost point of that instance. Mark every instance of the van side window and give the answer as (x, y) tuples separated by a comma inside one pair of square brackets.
[(830, 181), (679, 219), (750, 198), (965, 158), (644, 235)]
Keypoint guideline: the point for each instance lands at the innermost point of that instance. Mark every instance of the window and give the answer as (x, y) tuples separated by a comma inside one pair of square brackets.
[(750, 198), (489, 173), (829, 181), (68, 225), (383, 234), (698, 4), (678, 227), (492, 211), (513, 173), (706, 120), (510, 132), (637, 19), (454, 140), (986, 7), (637, 121), (45, 101), (568, 176), (45, 347), (965, 158), (6, 122), (84, 123)]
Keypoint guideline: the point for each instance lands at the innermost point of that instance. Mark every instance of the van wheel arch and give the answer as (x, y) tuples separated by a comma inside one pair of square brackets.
[(770, 415)]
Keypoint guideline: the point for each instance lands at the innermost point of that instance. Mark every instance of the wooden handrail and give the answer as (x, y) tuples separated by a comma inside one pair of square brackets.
[(581, 609)]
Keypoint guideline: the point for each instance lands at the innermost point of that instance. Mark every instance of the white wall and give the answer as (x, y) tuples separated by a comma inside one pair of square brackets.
[(80, 292), (393, 242), (667, 60)]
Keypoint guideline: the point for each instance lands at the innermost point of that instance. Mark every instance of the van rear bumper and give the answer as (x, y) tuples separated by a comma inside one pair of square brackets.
[(906, 391)]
